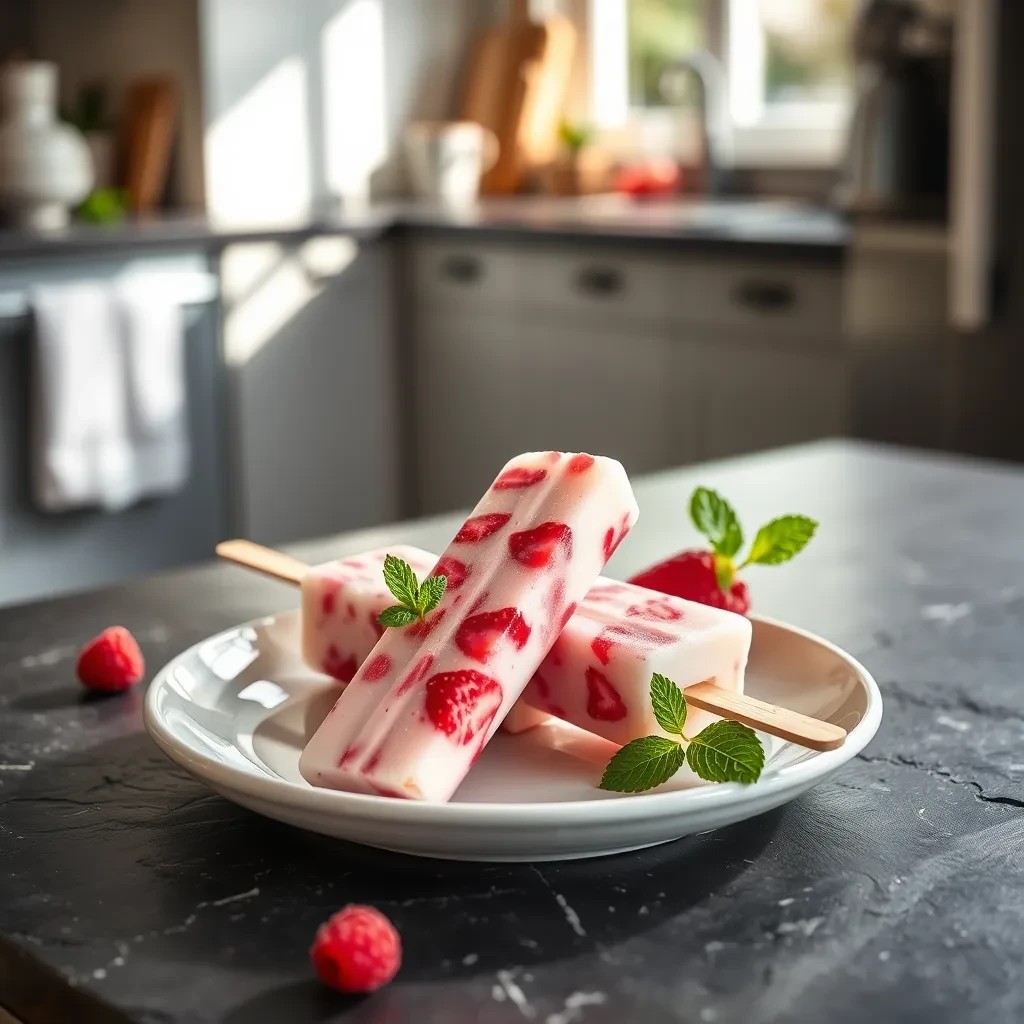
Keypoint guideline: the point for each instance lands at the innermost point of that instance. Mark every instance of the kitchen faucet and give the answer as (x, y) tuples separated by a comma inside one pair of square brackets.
[(716, 142)]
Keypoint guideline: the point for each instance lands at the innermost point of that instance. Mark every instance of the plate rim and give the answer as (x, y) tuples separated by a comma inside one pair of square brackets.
[(634, 807)]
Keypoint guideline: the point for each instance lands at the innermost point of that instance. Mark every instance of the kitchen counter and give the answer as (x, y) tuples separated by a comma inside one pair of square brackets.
[(890, 893), (768, 225)]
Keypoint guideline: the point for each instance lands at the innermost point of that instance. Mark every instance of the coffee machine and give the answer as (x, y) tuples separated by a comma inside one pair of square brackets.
[(896, 162)]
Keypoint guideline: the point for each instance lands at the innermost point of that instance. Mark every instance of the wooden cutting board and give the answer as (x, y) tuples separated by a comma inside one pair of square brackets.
[(151, 111), (516, 84)]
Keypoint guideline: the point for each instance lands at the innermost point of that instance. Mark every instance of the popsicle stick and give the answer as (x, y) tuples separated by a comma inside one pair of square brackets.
[(265, 560), (737, 707), (787, 725)]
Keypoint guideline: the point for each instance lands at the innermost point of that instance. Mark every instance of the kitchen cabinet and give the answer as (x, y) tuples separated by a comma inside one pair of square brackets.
[(754, 397), (43, 554), (312, 362), (488, 391), (656, 359)]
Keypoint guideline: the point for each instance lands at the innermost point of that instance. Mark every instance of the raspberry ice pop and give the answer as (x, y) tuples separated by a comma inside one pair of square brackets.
[(429, 696), (340, 604), (597, 675)]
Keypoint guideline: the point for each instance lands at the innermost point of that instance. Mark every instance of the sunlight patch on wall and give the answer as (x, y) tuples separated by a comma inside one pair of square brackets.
[(355, 110), (258, 151)]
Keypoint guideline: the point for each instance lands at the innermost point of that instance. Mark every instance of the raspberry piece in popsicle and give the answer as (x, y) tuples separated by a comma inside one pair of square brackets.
[(535, 548), (478, 528), (461, 704), (480, 634)]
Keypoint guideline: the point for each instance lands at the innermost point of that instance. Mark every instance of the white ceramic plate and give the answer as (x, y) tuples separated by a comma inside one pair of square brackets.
[(236, 710)]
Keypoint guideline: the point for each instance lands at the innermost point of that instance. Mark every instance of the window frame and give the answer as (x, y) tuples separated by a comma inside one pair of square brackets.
[(796, 135)]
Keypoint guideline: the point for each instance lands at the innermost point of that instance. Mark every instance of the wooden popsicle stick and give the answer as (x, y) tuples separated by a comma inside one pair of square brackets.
[(737, 707), (770, 718), (265, 560)]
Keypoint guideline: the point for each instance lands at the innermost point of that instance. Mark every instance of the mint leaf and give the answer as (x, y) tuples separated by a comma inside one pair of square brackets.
[(781, 539), (715, 518), (401, 581), (430, 593), (643, 764), (397, 615), (726, 752), (669, 704)]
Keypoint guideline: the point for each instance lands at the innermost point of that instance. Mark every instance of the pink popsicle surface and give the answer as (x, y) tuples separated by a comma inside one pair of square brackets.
[(597, 675), (429, 696), (340, 604)]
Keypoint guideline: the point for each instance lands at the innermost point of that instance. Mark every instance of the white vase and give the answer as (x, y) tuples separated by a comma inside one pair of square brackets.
[(45, 165)]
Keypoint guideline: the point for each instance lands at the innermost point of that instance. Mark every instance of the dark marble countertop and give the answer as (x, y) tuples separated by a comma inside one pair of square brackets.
[(890, 893), (774, 226)]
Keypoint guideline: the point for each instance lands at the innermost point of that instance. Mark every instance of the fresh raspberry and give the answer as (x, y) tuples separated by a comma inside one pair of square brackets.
[(691, 575), (111, 662), (481, 527), (356, 950), (603, 700), (519, 477), (535, 548), (454, 571), (463, 703), (478, 635)]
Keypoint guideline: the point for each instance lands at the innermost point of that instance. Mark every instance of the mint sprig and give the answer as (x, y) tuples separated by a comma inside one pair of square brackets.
[(722, 752), (715, 518), (643, 764), (776, 542), (414, 599), (780, 540), (669, 704)]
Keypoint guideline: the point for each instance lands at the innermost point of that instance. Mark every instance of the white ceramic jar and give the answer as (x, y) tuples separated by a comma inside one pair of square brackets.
[(45, 165)]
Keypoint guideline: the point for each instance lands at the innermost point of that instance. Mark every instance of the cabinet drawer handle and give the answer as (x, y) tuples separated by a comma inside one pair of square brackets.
[(765, 296), (600, 281), (462, 269)]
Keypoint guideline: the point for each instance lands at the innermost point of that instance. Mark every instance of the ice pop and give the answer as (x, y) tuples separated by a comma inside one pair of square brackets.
[(340, 604), (720, 693), (429, 696), (597, 675)]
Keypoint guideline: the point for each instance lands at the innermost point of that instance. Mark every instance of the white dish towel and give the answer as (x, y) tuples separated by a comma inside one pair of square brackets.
[(109, 404)]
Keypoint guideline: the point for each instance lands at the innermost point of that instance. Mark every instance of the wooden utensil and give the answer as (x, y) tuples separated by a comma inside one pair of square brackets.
[(516, 84), (737, 707), (151, 110)]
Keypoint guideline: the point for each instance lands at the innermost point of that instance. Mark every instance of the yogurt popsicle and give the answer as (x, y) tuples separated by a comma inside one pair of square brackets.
[(430, 695), (340, 604), (597, 675)]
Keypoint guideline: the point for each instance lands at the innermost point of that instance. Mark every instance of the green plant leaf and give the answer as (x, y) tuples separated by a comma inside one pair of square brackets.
[(726, 752), (715, 518), (430, 593), (643, 764), (669, 704), (397, 615), (780, 540), (401, 581)]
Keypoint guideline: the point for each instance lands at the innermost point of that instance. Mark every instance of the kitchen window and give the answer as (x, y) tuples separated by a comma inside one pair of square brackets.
[(786, 71)]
